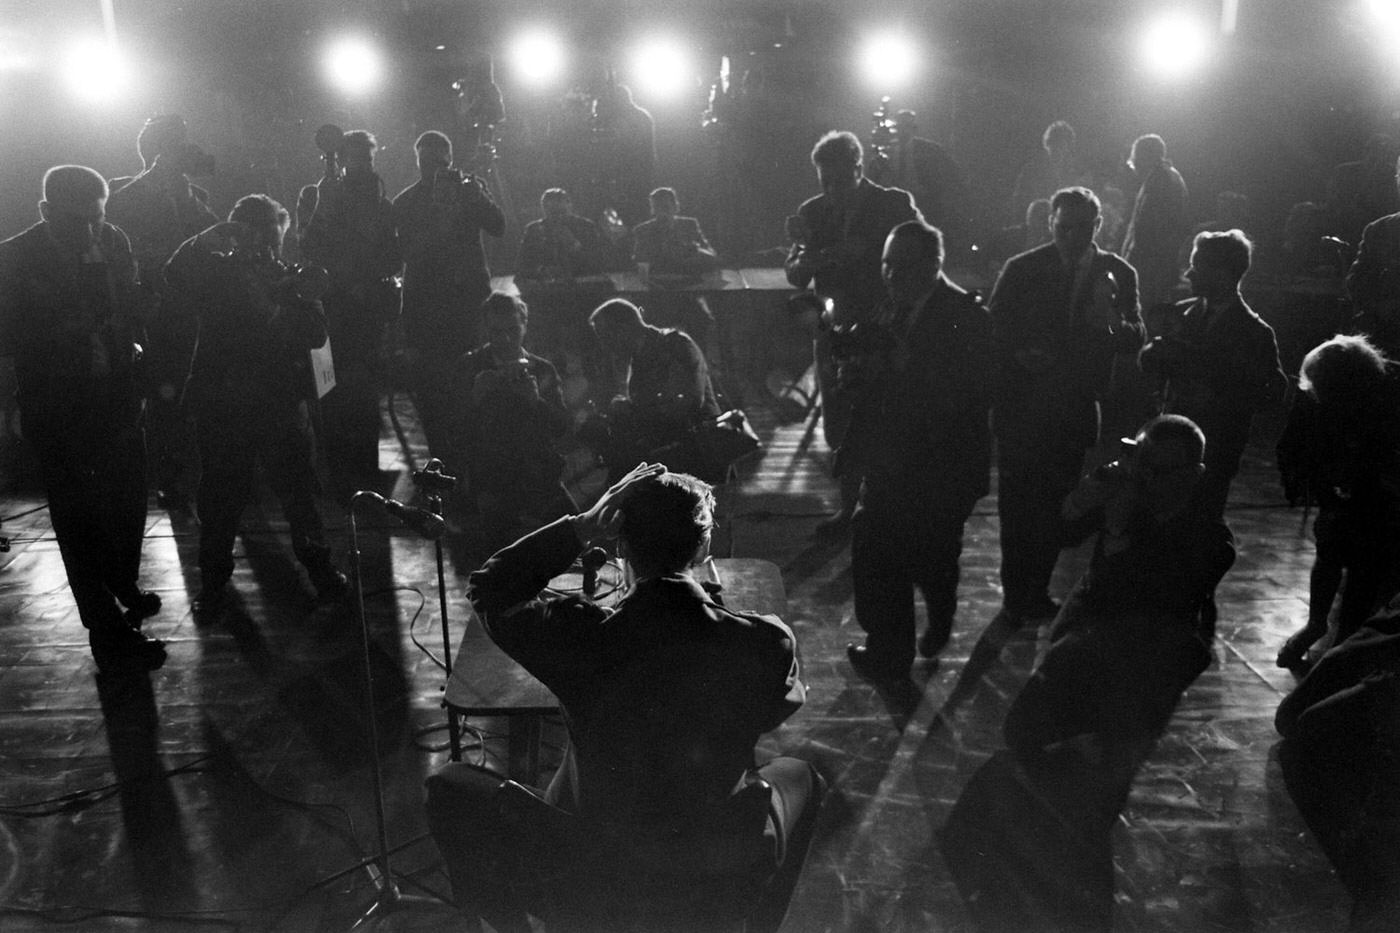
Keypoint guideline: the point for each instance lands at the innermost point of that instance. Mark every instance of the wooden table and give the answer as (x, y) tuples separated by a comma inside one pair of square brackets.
[(486, 682)]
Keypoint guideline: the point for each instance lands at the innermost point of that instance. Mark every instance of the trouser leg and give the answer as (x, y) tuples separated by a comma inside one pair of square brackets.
[(123, 501), (798, 792), (75, 510), (228, 455), (477, 845), (883, 589), (1029, 498), (290, 458), (937, 573)]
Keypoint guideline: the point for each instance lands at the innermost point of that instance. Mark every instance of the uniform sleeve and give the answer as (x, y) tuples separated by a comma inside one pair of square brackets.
[(791, 693), (545, 635)]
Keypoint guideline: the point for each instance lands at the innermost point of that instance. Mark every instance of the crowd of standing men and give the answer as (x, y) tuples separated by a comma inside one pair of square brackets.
[(202, 324)]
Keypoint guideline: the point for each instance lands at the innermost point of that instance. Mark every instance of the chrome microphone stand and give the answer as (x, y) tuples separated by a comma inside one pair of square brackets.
[(434, 482), (388, 899)]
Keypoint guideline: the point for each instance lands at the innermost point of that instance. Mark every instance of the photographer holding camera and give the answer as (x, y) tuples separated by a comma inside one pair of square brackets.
[(512, 413), (837, 239), (1030, 838), (440, 221), (159, 209), (250, 386), (351, 233)]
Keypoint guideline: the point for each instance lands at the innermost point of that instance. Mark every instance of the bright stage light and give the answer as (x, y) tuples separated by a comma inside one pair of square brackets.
[(662, 68), (889, 60), (1387, 11), (353, 66), (1175, 46), (95, 71), (537, 57)]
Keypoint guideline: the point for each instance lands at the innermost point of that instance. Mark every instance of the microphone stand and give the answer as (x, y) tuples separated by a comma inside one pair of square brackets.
[(389, 898), (454, 729)]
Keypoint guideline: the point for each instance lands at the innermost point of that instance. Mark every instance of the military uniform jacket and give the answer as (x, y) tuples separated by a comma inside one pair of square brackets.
[(665, 751)]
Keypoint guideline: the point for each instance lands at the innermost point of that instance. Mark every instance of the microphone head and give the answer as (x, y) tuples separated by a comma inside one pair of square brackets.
[(428, 524), (593, 559)]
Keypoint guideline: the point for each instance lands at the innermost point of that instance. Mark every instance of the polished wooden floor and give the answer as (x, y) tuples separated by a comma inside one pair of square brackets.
[(232, 789)]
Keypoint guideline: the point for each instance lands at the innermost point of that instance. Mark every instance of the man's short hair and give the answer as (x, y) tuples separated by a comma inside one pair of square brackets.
[(73, 185), (259, 210), (1039, 207), (433, 139), (1178, 429), (1229, 250), (505, 303), (666, 520), (1059, 131), (929, 237), (161, 133), (362, 140), (1076, 197), (667, 194), (838, 148), (553, 194), (616, 311), (1150, 146), (1344, 370)]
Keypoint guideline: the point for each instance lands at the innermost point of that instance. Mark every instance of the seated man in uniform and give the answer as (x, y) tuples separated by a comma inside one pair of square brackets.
[(660, 817)]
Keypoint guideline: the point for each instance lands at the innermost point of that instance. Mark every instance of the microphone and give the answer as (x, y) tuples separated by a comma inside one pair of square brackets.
[(592, 561), (433, 479), (428, 524)]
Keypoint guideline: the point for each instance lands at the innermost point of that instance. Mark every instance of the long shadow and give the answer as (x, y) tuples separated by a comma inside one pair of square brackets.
[(162, 866)]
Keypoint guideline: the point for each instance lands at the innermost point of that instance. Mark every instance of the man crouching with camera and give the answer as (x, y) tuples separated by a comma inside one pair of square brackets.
[(250, 386), (511, 415), (658, 815)]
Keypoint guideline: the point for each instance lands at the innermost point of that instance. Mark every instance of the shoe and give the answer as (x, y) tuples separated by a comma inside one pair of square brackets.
[(211, 598), (933, 640), (142, 605), (872, 668), (124, 649), (836, 524), (1294, 652)]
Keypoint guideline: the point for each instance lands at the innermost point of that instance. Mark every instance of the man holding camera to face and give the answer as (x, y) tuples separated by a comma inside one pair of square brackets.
[(440, 221), (512, 413), (351, 233), (250, 385), (1030, 838)]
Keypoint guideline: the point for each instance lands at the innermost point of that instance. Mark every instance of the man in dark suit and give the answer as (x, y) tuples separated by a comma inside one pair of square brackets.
[(1159, 223), (561, 244), (839, 237), (920, 436), (71, 319), (440, 221), (671, 244), (1218, 360), (1060, 312), (660, 815)]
